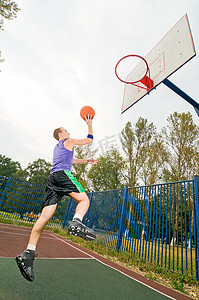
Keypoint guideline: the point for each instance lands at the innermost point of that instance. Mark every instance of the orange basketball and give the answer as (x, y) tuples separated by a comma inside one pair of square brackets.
[(87, 111)]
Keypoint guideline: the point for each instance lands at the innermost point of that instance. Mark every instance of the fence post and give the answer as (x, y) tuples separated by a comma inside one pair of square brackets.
[(67, 212), (87, 214), (6, 188), (122, 219), (196, 188)]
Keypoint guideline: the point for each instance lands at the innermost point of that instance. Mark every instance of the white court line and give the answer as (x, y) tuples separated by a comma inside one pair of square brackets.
[(14, 233), (57, 258), (114, 268), (27, 229), (91, 257), (65, 258), (15, 228)]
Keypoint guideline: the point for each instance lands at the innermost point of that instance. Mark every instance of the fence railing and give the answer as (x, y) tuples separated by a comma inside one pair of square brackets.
[(22, 200), (157, 223)]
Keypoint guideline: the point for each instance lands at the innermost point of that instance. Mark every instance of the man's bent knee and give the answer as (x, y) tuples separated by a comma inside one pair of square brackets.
[(48, 211), (79, 196)]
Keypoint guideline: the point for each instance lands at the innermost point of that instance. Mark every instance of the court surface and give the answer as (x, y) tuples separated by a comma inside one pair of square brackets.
[(65, 270)]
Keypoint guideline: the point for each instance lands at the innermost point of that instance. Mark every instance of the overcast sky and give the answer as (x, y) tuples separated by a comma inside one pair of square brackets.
[(60, 55)]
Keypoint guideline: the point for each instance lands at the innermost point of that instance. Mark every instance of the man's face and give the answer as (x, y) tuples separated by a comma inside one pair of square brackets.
[(64, 134)]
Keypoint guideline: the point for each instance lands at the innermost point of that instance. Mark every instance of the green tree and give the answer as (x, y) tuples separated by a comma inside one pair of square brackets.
[(80, 171), (8, 167), (108, 174), (38, 171), (182, 137), (1, 60), (156, 161), (136, 143), (8, 10), (21, 174)]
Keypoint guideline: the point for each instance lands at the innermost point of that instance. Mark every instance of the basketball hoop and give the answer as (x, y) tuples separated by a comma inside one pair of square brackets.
[(145, 80)]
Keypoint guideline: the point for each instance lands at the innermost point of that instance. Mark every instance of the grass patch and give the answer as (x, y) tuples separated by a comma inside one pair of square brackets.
[(184, 283)]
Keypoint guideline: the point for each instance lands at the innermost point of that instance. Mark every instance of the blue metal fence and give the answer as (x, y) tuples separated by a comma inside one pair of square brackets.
[(22, 200), (157, 223)]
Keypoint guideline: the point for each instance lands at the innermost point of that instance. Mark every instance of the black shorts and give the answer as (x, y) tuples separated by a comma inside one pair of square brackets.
[(58, 184)]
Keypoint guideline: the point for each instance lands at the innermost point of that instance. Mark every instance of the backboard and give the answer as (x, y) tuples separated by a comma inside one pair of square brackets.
[(172, 52)]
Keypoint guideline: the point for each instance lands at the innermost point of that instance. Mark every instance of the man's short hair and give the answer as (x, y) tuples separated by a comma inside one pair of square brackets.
[(56, 133)]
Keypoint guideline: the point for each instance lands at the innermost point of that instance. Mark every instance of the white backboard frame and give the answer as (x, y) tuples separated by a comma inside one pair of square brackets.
[(174, 50)]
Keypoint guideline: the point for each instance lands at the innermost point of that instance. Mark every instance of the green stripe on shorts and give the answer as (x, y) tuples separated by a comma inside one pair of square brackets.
[(74, 180)]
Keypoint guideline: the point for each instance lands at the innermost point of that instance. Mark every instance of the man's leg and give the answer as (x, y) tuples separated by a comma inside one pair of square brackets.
[(25, 259), (76, 227), (83, 203), (46, 215)]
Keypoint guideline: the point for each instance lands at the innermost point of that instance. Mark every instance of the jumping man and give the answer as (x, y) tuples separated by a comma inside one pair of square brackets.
[(60, 182)]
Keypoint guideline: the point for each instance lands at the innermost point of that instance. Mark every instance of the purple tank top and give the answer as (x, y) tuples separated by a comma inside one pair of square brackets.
[(62, 158)]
